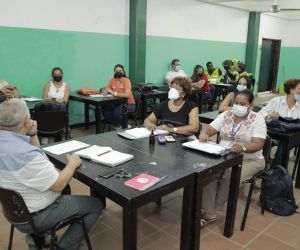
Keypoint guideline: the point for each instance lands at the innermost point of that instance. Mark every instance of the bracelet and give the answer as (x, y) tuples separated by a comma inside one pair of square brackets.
[(32, 134)]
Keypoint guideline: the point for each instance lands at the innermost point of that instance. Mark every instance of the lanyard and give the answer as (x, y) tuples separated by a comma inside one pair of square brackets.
[(235, 129)]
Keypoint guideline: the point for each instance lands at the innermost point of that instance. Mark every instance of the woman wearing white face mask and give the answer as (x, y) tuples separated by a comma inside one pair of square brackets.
[(178, 109), (244, 82), (245, 132), (284, 106)]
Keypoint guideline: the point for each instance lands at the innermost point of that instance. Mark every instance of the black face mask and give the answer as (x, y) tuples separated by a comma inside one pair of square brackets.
[(118, 74), (57, 78)]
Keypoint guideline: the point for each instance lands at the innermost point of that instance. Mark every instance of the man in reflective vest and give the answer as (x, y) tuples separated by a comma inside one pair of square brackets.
[(213, 74)]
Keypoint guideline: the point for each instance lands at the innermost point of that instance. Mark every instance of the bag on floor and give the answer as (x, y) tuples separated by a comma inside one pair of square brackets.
[(277, 192)]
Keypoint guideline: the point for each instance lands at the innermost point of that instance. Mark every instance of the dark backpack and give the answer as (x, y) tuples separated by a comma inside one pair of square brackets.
[(277, 192)]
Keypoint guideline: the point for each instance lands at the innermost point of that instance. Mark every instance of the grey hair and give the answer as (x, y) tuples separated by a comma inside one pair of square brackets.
[(12, 114)]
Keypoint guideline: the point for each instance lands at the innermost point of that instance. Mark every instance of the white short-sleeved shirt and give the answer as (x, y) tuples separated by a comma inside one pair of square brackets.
[(279, 104), (172, 74), (253, 126), (26, 169), (57, 93)]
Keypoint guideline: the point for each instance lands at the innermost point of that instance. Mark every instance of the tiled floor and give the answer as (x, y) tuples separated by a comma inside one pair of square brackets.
[(159, 227)]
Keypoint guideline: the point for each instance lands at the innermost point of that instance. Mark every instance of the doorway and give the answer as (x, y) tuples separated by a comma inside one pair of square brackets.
[(270, 52)]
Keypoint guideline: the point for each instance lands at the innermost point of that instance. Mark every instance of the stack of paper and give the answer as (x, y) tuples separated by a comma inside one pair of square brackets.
[(31, 99), (66, 147), (208, 147), (137, 133)]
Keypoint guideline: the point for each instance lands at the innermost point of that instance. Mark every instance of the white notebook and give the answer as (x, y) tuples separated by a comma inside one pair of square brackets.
[(143, 132), (93, 151), (208, 147), (104, 155), (113, 158)]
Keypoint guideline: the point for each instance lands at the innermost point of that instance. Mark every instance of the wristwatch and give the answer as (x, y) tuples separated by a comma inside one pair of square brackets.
[(174, 130), (244, 149), (32, 135)]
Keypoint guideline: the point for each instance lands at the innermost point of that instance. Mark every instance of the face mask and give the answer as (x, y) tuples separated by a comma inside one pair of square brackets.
[(173, 94), (297, 97), (177, 68), (239, 110), (118, 74), (57, 78), (240, 87)]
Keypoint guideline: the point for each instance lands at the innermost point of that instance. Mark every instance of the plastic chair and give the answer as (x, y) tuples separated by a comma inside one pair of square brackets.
[(17, 213), (52, 124), (266, 153)]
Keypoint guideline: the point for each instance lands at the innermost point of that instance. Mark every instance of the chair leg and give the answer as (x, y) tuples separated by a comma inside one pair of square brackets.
[(296, 163), (247, 205), (11, 235), (87, 238)]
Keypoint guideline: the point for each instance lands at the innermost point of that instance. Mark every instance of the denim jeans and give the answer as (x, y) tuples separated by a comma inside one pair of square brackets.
[(114, 114)]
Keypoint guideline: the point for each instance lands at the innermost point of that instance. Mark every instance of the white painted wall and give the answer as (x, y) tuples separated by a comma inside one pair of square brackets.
[(100, 16), (273, 28), (293, 36), (193, 19)]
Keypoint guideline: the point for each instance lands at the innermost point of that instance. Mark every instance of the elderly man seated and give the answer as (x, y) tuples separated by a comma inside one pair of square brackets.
[(25, 168)]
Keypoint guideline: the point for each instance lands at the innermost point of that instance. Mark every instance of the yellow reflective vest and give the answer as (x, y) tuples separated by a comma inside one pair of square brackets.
[(214, 76)]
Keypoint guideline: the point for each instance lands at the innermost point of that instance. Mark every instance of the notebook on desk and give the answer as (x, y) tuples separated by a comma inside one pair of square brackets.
[(207, 147), (137, 133), (104, 155)]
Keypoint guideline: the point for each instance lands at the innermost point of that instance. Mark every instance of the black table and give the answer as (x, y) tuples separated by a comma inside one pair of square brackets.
[(221, 89), (292, 138), (97, 102), (208, 117), (205, 166), (288, 138), (130, 199)]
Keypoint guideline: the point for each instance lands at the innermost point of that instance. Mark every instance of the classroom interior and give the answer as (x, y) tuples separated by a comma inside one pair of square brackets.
[(87, 38)]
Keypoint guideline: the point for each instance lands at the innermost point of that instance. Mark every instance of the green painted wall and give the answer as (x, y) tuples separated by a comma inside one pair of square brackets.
[(289, 64), (28, 55), (161, 50)]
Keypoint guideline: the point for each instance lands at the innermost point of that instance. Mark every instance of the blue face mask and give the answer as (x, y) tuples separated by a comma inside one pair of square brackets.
[(240, 87), (297, 97), (239, 110)]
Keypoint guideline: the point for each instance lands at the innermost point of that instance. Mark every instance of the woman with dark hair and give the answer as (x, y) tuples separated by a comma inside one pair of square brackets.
[(57, 90), (243, 83), (245, 132), (200, 81), (177, 110), (119, 86)]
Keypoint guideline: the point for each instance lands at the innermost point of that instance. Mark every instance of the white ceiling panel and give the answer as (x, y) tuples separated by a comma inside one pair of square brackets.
[(264, 6)]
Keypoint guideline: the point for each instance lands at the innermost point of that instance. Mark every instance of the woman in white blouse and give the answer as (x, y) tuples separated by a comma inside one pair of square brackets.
[(245, 132), (57, 90), (284, 106)]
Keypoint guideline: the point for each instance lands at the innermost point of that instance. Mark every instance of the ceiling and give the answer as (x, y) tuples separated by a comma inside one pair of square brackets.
[(262, 6)]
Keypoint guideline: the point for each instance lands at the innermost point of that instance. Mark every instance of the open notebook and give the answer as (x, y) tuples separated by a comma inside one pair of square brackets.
[(104, 155), (137, 133), (208, 147)]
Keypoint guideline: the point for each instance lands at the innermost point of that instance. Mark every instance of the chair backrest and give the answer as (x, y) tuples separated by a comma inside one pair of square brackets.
[(267, 150), (14, 207), (51, 122)]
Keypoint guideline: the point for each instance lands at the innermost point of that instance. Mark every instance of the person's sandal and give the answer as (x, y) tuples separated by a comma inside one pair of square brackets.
[(204, 221)]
